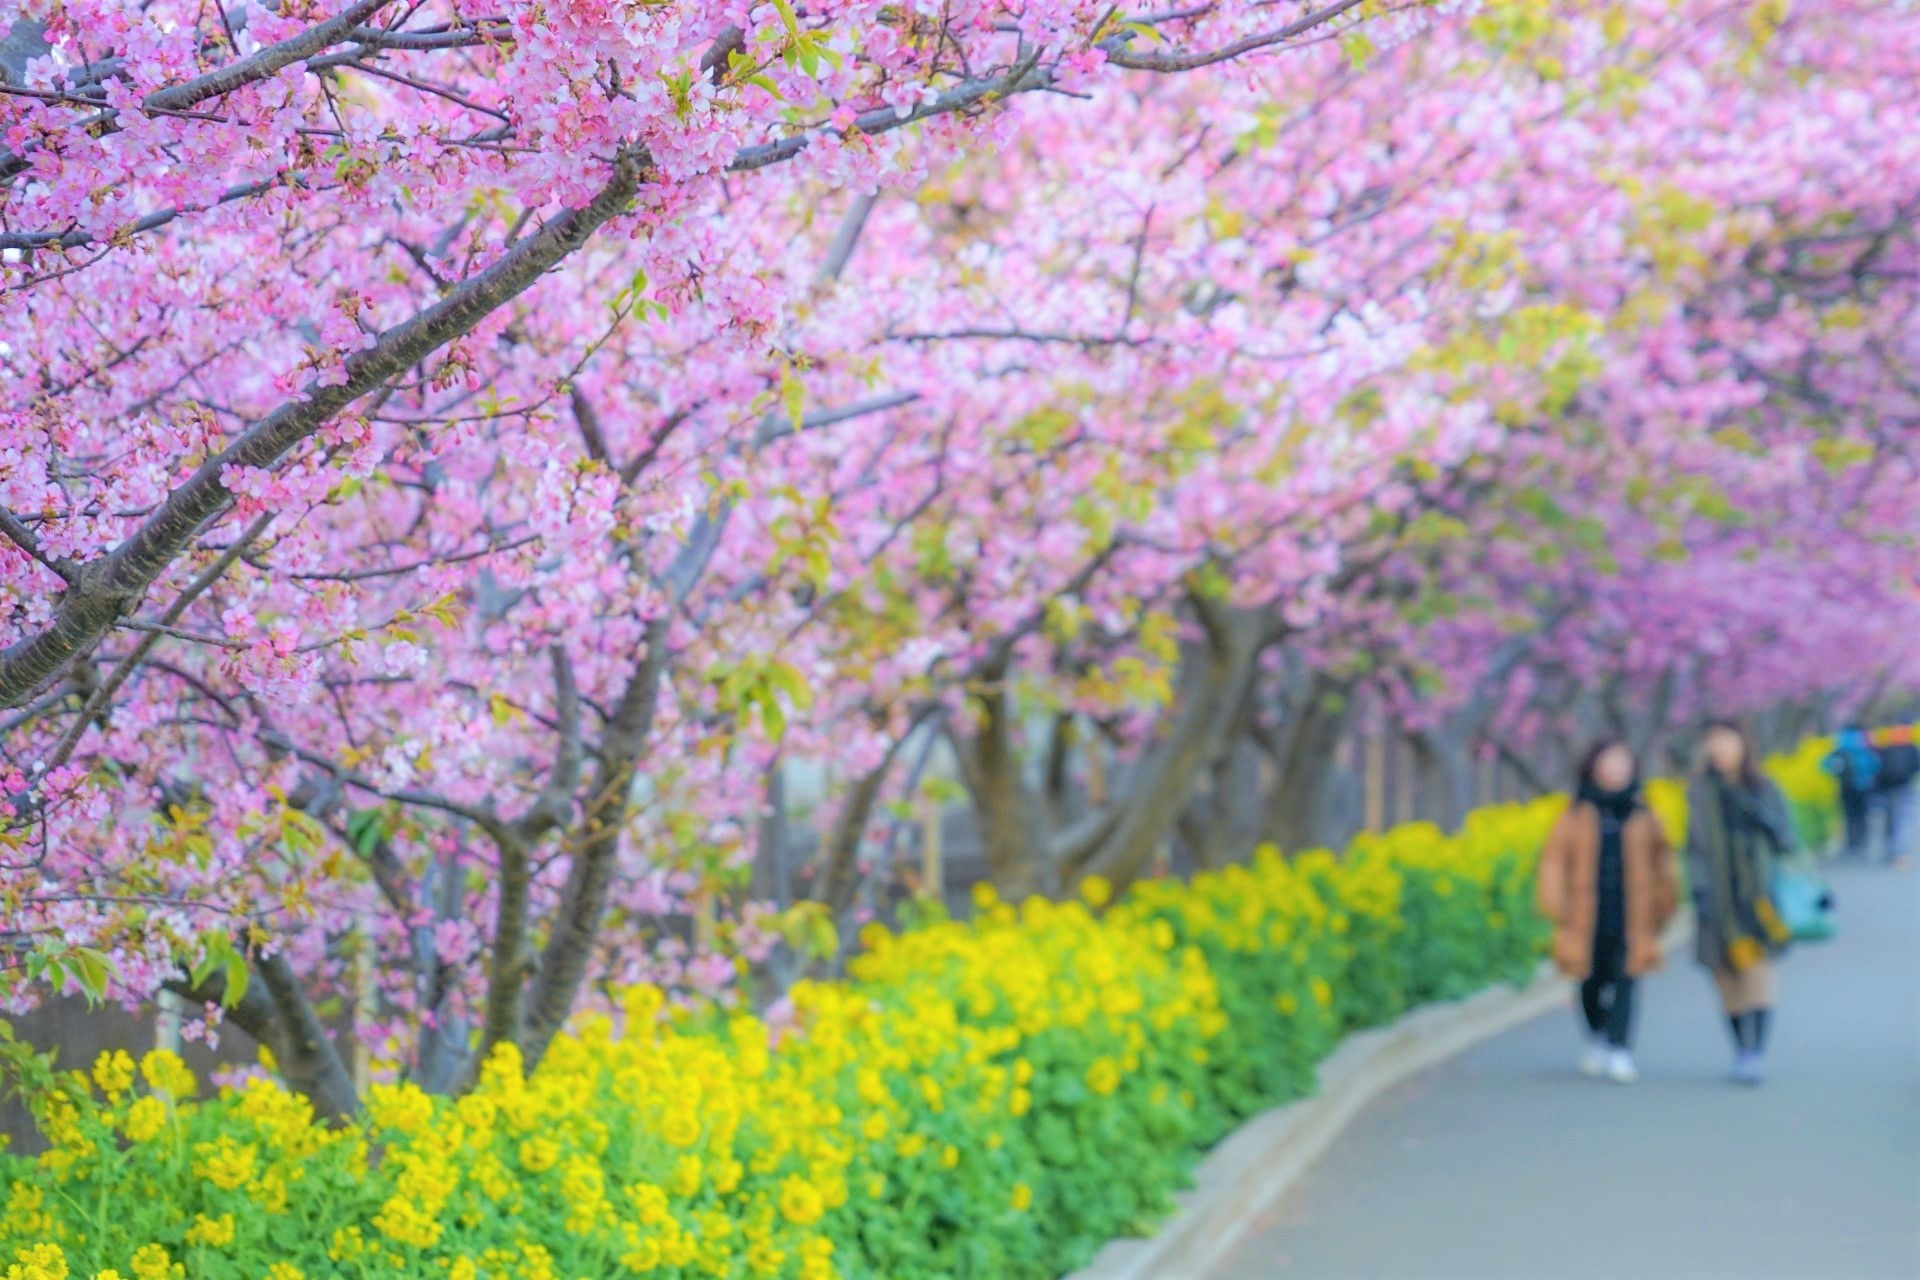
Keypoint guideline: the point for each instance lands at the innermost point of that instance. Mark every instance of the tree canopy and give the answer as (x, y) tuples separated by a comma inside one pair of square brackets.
[(452, 460)]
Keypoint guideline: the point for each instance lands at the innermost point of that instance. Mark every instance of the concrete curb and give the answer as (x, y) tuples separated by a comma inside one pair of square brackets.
[(1249, 1172)]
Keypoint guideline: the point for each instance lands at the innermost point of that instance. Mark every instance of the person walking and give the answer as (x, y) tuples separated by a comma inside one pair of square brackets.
[(1737, 825), (1856, 765), (1607, 884), (1899, 766)]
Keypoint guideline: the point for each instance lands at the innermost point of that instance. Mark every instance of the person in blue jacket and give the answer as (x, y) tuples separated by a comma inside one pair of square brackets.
[(1856, 765)]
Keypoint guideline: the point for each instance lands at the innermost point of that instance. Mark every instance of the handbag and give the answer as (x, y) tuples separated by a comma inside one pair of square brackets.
[(1805, 903)]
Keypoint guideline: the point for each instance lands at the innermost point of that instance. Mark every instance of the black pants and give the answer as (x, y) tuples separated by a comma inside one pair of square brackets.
[(1606, 997), (1853, 809)]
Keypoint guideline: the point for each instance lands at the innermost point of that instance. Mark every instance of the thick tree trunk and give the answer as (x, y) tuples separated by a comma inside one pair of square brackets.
[(275, 1011), (1218, 676), (509, 958), (1010, 813), (1526, 771), (446, 1040), (583, 898), (838, 882), (1222, 822), (1301, 806), (1442, 778), (308, 1057)]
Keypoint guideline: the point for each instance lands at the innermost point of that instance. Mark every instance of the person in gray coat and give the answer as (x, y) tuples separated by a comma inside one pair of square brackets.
[(1737, 826)]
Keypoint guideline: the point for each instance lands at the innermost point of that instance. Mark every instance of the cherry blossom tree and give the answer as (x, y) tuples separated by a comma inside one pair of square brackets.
[(455, 465)]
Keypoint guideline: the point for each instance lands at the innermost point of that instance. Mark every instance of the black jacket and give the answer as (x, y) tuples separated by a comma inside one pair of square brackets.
[(1899, 765)]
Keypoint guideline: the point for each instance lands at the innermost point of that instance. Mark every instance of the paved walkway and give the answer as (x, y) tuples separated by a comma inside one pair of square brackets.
[(1505, 1164)]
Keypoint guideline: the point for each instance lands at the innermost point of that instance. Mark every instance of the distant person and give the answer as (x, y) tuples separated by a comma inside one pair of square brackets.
[(1606, 883), (1899, 766), (1856, 765), (1737, 826)]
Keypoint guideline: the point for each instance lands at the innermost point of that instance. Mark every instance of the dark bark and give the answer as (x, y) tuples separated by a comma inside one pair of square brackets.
[(583, 898), (309, 1059), (1300, 812), (1011, 816), (838, 883), (445, 1057), (254, 1013), (275, 1011), (1221, 823), (1442, 764), (1060, 744), (1217, 679), (508, 960)]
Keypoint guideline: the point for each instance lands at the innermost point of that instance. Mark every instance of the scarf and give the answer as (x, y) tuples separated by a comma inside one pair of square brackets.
[(1728, 838), (1619, 804)]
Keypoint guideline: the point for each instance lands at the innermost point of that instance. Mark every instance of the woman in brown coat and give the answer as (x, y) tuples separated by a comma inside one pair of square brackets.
[(1607, 884)]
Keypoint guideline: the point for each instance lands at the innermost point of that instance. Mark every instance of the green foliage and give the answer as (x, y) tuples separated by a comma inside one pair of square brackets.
[(985, 1099)]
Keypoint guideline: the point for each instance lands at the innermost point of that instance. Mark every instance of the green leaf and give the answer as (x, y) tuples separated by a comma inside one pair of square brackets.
[(774, 717), (90, 969), (223, 956), (1589, 535), (786, 677), (238, 975), (793, 397), (363, 830)]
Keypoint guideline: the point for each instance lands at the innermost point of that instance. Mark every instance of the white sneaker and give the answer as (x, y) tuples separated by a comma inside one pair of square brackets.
[(1593, 1061), (1620, 1068)]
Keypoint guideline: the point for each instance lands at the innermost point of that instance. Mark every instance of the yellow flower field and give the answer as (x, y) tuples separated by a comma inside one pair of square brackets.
[(987, 1098)]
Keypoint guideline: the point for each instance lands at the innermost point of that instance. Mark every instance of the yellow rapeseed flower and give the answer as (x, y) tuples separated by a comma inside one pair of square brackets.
[(643, 1257), (38, 1262), (145, 1119), (153, 1262), (113, 1072), (400, 1108), (537, 1155), (681, 1128), (1103, 1077), (687, 1176), (164, 1071), (225, 1163), (801, 1202)]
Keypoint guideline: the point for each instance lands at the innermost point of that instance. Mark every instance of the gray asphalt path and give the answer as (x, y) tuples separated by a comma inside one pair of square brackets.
[(1506, 1164)]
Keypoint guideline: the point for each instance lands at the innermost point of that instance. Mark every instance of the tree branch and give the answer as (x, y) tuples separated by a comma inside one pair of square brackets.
[(583, 898), (311, 1061), (1170, 62), (554, 805), (104, 589), (17, 532)]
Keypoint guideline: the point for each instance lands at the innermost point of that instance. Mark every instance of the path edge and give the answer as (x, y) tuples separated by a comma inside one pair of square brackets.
[(1258, 1163)]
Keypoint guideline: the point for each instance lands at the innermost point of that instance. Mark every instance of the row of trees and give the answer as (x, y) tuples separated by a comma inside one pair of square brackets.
[(453, 467)]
